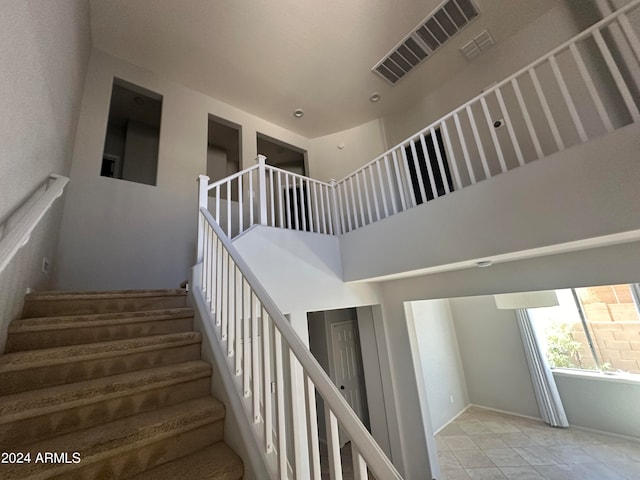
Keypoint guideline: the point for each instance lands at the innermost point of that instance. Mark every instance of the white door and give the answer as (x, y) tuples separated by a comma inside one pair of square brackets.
[(347, 365)]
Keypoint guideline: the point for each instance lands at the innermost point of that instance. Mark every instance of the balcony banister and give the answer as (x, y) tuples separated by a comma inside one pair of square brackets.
[(218, 246), (564, 46)]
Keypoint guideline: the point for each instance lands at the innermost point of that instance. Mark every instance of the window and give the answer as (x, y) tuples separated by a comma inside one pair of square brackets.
[(133, 134), (592, 328)]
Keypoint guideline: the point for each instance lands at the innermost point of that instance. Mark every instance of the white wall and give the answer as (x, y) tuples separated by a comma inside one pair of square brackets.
[(605, 404), (439, 361), (301, 270), (118, 234), (587, 191), (493, 357), (360, 144), (44, 50)]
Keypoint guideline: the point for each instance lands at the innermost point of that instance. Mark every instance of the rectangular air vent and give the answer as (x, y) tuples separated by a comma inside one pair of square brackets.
[(442, 24)]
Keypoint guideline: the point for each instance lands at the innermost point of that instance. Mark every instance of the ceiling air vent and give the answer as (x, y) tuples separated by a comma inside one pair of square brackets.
[(442, 24)]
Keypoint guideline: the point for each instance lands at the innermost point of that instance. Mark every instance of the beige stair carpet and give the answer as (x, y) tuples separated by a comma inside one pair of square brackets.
[(109, 385)]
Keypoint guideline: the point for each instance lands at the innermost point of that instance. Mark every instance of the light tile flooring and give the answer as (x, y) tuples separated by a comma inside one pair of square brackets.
[(485, 445)]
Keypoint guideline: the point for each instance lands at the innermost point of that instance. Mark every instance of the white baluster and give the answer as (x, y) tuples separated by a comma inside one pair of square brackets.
[(398, 181), (392, 194), (373, 192), (427, 161), (255, 355), (359, 465), (465, 150), (593, 92), (418, 170), (385, 207), (280, 210), (333, 444), (476, 136), (312, 428), (280, 407), (267, 414), (492, 132), (450, 154), (545, 108), (405, 163), (527, 118), (509, 125), (240, 206), (617, 76), (567, 99)]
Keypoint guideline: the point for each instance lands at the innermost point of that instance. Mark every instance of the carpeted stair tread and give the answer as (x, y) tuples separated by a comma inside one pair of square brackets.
[(49, 304), (217, 462), (39, 402), (63, 322), (113, 441), (77, 353), (89, 294), (58, 331)]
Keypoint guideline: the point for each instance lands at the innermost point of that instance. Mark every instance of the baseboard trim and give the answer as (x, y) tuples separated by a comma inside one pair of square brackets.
[(608, 434), (506, 412), (452, 419)]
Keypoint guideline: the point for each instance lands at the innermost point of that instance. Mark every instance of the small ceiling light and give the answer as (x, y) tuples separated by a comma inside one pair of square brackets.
[(298, 113), (484, 263), (374, 97)]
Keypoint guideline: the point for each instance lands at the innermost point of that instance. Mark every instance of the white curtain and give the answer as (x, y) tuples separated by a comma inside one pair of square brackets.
[(544, 385)]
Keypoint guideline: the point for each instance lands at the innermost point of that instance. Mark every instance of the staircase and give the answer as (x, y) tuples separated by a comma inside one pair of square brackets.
[(109, 385)]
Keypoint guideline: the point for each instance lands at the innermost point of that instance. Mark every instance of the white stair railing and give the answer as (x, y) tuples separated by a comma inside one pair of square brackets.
[(578, 91), (275, 373), (16, 230), (586, 87)]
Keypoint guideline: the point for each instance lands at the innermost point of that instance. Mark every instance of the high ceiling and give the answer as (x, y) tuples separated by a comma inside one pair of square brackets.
[(272, 57)]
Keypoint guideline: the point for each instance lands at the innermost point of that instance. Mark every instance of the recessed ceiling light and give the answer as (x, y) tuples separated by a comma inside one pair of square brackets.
[(298, 113), (374, 97)]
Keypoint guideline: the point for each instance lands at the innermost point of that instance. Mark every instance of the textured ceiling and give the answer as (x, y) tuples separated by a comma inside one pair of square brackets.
[(271, 57)]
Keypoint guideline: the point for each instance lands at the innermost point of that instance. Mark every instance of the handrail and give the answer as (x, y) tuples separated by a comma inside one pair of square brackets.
[(19, 235), (224, 180), (560, 100), (580, 36), (213, 284), (297, 175)]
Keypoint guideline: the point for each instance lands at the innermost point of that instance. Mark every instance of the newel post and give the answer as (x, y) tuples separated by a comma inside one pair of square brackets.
[(335, 212), (203, 198), (262, 188)]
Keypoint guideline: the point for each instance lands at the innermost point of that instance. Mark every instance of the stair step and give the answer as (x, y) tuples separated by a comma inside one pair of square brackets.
[(217, 462), (48, 332), (34, 369), (47, 304), (41, 414), (127, 447)]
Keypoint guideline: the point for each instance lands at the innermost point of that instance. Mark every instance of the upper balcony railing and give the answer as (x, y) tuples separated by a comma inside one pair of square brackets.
[(586, 87)]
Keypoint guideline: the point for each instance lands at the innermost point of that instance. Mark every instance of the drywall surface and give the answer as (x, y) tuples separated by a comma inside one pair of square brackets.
[(505, 58), (369, 330), (25, 269), (44, 56), (493, 357), (586, 191), (301, 270), (337, 155), (45, 50), (439, 360), (604, 404), (118, 234)]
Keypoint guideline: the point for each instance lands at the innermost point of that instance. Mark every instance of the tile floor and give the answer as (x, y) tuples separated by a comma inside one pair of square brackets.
[(485, 445)]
